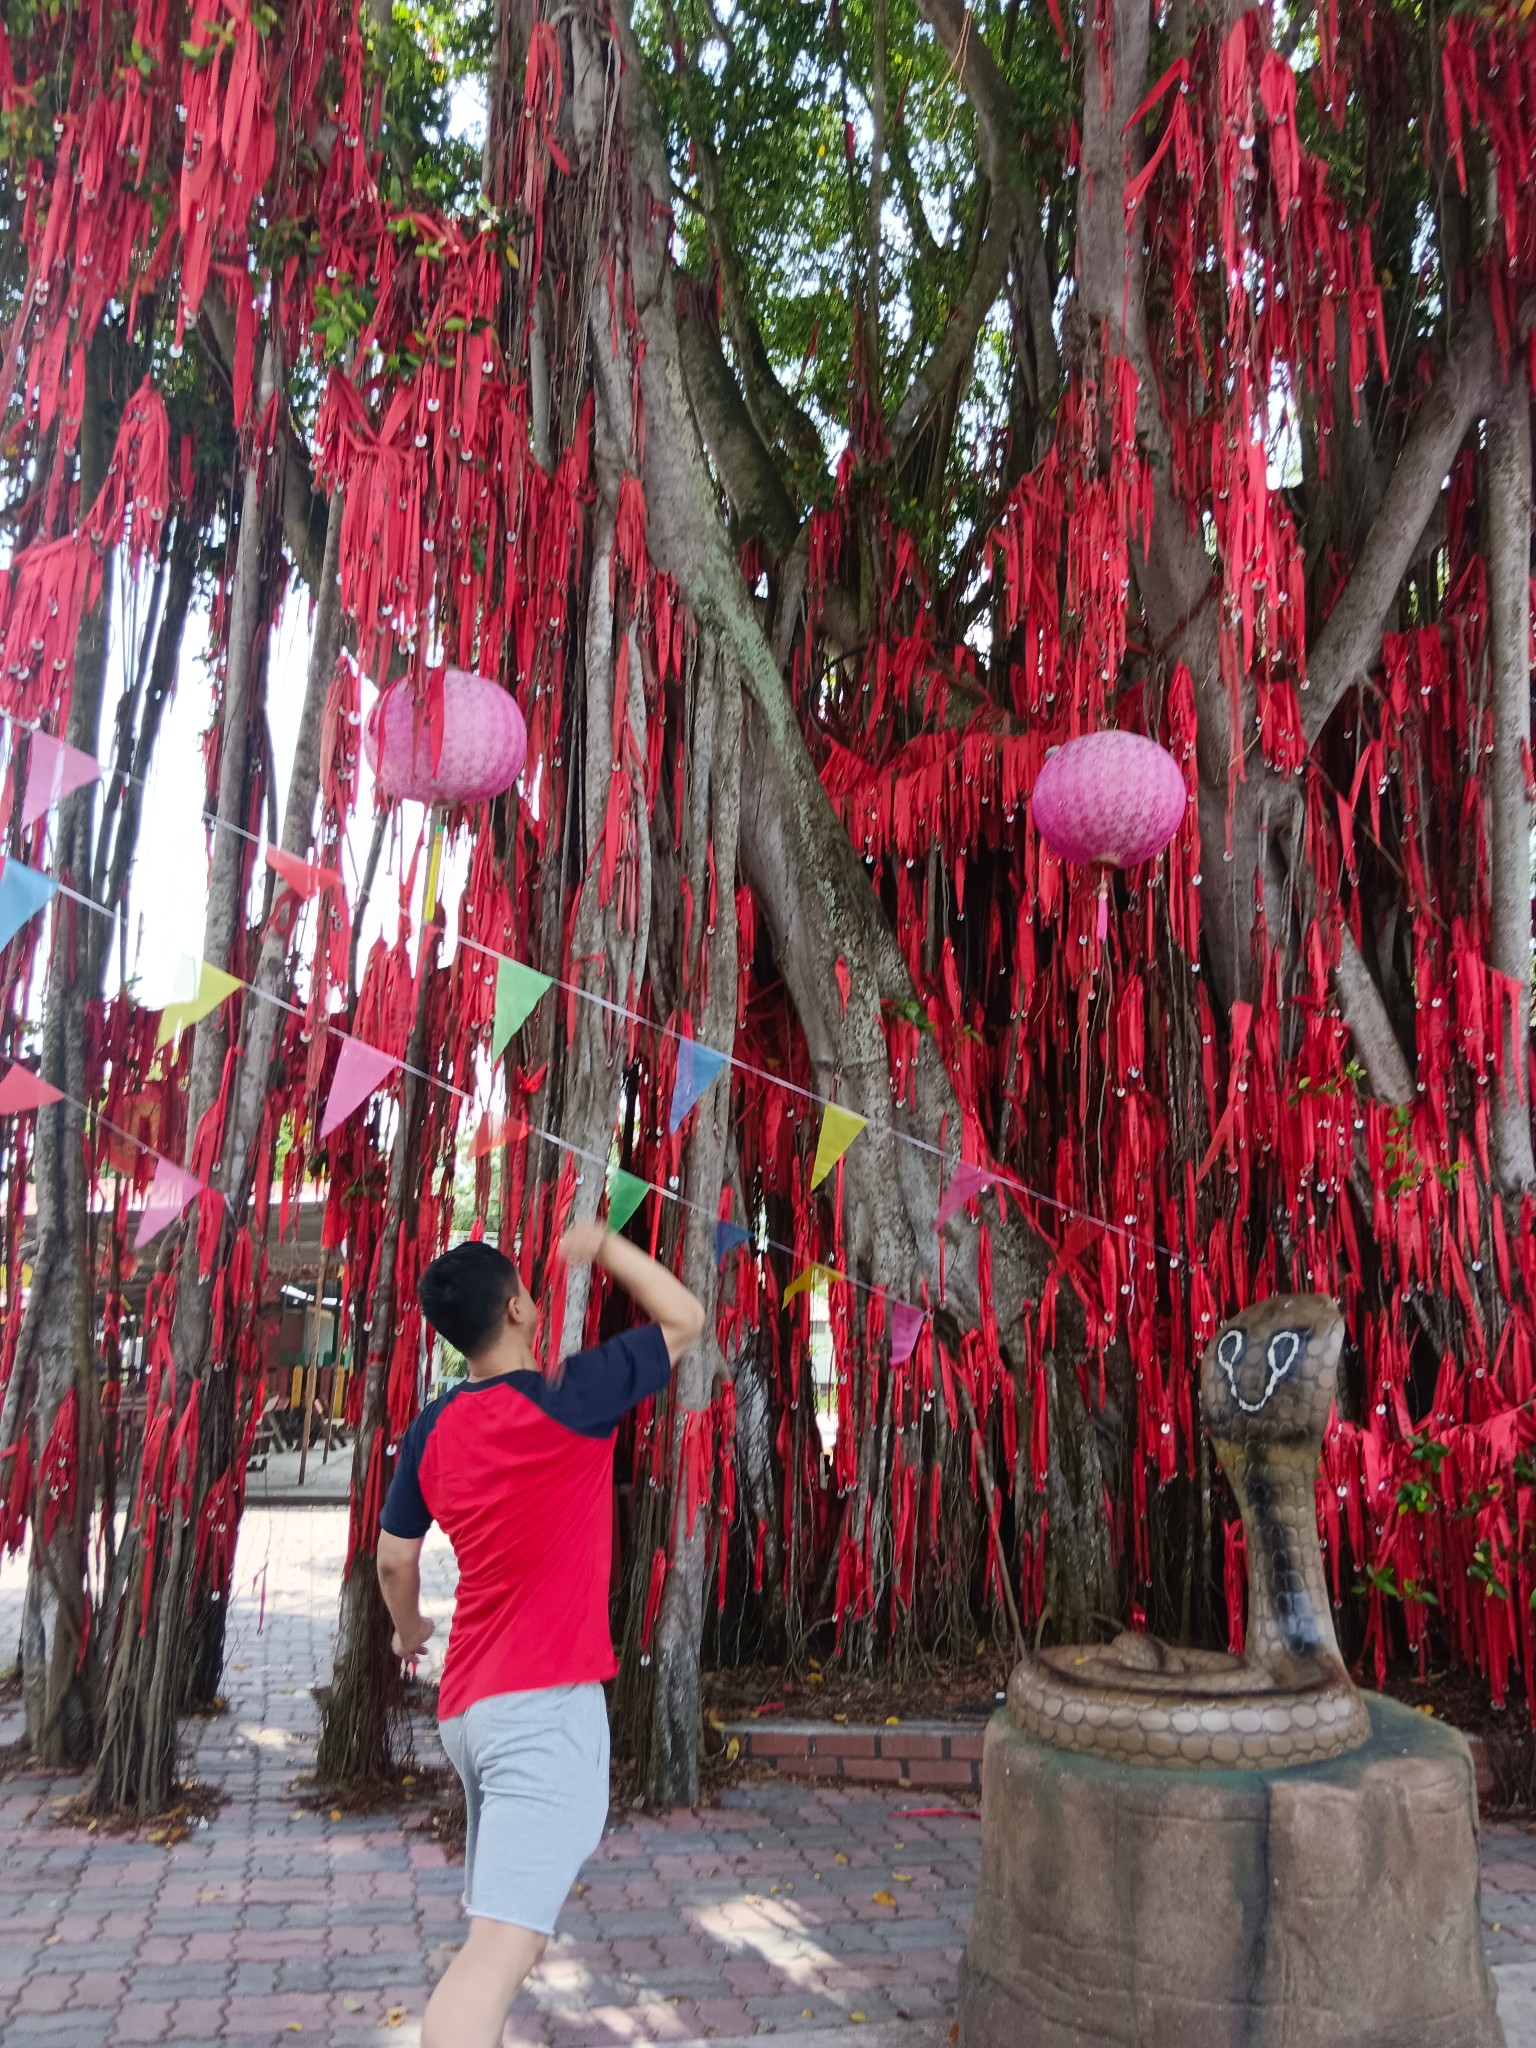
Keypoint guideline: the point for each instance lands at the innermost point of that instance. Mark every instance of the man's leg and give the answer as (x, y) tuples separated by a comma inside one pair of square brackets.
[(470, 2005)]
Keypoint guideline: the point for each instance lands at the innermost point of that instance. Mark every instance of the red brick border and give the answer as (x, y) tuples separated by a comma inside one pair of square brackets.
[(934, 1755), (931, 1755)]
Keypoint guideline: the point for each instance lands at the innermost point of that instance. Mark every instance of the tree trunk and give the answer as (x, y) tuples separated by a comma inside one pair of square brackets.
[(1509, 834), (56, 1353), (672, 1775), (154, 1654), (365, 1731), (249, 1089)]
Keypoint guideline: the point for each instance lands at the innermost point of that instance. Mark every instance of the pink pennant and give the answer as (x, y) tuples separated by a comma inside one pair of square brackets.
[(21, 1089), (906, 1325), (968, 1182), (54, 771), (305, 878), (169, 1193), (360, 1069)]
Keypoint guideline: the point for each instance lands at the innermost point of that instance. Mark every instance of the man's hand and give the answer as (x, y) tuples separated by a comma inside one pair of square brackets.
[(658, 1293), (409, 1643), (583, 1243)]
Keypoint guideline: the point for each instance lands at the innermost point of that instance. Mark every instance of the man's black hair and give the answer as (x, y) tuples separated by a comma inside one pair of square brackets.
[(464, 1295)]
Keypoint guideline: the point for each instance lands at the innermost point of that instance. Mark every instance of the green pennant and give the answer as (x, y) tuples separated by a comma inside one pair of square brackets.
[(626, 1191), (518, 991)]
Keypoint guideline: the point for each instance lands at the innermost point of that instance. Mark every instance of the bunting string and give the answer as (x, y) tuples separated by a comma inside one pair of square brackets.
[(698, 1064)]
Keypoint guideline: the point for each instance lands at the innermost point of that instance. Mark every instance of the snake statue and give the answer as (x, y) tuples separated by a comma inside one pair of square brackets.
[(1266, 1388)]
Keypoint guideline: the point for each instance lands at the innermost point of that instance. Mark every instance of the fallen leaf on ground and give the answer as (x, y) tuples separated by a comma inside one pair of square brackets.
[(902, 1876), (883, 1898), (733, 1749), (335, 1813), (394, 2016), (52, 1938), (839, 1857), (351, 2005), (293, 2027), (856, 2017)]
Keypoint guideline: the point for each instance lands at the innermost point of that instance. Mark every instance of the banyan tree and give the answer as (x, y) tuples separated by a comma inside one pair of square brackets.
[(812, 415)]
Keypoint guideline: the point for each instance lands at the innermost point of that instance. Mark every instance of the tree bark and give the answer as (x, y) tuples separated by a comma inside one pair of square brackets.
[(1509, 834)]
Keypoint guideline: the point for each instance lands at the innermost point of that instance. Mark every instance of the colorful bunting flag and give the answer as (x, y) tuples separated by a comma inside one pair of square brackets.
[(906, 1327), (495, 1131), (839, 1128), (23, 893), (729, 1237), (21, 1089), (210, 987), (967, 1183), (815, 1275), (360, 1069), (626, 1191), (169, 1193), (54, 771), (519, 990), (697, 1066), (305, 878)]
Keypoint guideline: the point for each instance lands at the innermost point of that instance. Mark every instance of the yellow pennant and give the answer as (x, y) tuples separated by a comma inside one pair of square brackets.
[(815, 1275), (213, 987), (839, 1128)]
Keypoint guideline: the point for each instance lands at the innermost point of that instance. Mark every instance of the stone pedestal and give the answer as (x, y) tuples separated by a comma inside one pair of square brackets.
[(1331, 1905)]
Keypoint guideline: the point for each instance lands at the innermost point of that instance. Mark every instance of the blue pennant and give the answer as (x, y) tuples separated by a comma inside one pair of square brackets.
[(697, 1066), (23, 893), (729, 1237)]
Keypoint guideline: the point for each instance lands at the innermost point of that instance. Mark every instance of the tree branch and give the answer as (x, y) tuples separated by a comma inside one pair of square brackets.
[(1508, 549), (1381, 1053), (956, 346), (304, 508), (742, 461), (1348, 643)]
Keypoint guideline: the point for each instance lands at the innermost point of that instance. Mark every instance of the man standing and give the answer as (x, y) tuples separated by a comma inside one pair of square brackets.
[(517, 1468)]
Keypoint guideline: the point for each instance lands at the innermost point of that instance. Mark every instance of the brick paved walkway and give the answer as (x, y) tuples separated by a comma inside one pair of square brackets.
[(271, 1924)]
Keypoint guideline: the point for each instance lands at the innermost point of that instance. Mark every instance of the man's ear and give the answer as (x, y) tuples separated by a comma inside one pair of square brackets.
[(515, 1311)]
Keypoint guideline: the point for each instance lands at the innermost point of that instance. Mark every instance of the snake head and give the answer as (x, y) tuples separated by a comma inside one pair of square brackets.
[(1270, 1374)]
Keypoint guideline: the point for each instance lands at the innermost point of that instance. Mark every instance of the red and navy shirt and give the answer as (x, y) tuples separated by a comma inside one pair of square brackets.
[(518, 1472)]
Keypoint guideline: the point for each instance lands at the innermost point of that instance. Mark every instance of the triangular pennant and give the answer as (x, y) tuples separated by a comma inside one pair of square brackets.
[(839, 1128), (518, 990), (626, 1191), (21, 1089), (496, 1131), (210, 987), (729, 1237), (967, 1183), (906, 1327), (697, 1066), (169, 1193), (54, 771), (23, 893), (815, 1275), (305, 878), (360, 1069)]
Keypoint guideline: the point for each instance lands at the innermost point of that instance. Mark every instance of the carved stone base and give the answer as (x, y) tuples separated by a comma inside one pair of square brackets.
[(1330, 1905)]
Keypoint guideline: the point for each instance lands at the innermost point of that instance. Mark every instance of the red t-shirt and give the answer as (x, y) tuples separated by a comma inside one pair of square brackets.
[(518, 1472)]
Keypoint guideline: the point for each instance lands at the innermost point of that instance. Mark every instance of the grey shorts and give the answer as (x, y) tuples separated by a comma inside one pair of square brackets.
[(535, 1773)]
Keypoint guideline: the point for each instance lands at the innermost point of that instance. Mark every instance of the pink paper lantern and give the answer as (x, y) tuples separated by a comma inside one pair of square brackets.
[(1109, 799), (483, 736)]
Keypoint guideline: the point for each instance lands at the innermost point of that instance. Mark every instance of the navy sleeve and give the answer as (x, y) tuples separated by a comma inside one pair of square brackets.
[(598, 1388), (406, 1513)]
